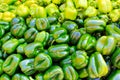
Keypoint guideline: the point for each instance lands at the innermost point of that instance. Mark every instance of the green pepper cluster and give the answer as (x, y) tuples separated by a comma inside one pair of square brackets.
[(59, 39)]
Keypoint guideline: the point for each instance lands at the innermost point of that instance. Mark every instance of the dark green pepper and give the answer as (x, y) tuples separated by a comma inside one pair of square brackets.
[(116, 58), (27, 66), (42, 24), (42, 62), (20, 48), (32, 49), (54, 73), (39, 76), (4, 77), (17, 20), (18, 30), (11, 64), (97, 66), (19, 76), (79, 59), (2, 31), (60, 35), (115, 75), (30, 34), (31, 22), (1, 63), (59, 51), (69, 72), (5, 25)]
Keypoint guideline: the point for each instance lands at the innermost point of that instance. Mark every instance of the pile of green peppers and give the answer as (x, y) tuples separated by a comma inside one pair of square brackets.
[(59, 39)]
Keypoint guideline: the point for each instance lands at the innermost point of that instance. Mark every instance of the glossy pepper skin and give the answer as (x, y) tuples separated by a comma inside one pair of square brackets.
[(94, 25), (69, 72), (96, 70), (116, 58), (106, 6), (54, 26), (2, 32), (65, 61), (115, 75), (4, 77), (114, 31), (69, 25), (79, 59), (1, 63), (39, 76), (30, 34), (58, 52), (32, 49), (106, 45), (18, 30), (42, 62), (42, 37), (54, 73), (60, 35), (31, 22), (5, 25), (20, 48), (86, 42), (27, 66), (42, 24), (17, 20), (83, 73), (10, 45), (11, 64), (19, 76)]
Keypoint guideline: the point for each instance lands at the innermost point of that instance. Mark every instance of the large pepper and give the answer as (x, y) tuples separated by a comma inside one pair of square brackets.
[(4, 77), (54, 73), (69, 72), (19, 76), (39, 76), (106, 45), (1, 63), (104, 6), (94, 25), (42, 62), (20, 48), (83, 73), (30, 34), (86, 42), (114, 31), (10, 46), (69, 25), (116, 58), (32, 49), (97, 66), (37, 11), (42, 24), (42, 37), (79, 59), (17, 20), (18, 30), (115, 75), (60, 35), (27, 66), (59, 51), (11, 64)]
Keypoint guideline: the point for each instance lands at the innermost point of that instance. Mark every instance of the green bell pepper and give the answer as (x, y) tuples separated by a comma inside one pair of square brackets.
[(18, 30), (69, 72), (94, 25), (69, 25), (17, 20), (1, 63), (65, 61), (72, 49), (4, 77), (114, 31), (104, 17), (86, 42), (42, 24), (83, 73), (20, 48), (54, 26), (116, 58), (59, 51), (39, 76), (31, 22), (106, 45), (52, 10), (54, 73), (19, 76), (10, 45), (97, 66), (60, 35), (30, 34), (27, 66), (52, 19), (104, 6), (82, 30), (5, 25), (75, 36), (2, 31), (50, 40), (32, 49), (115, 75), (79, 59), (42, 37), (11, 64), (42, 62)]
